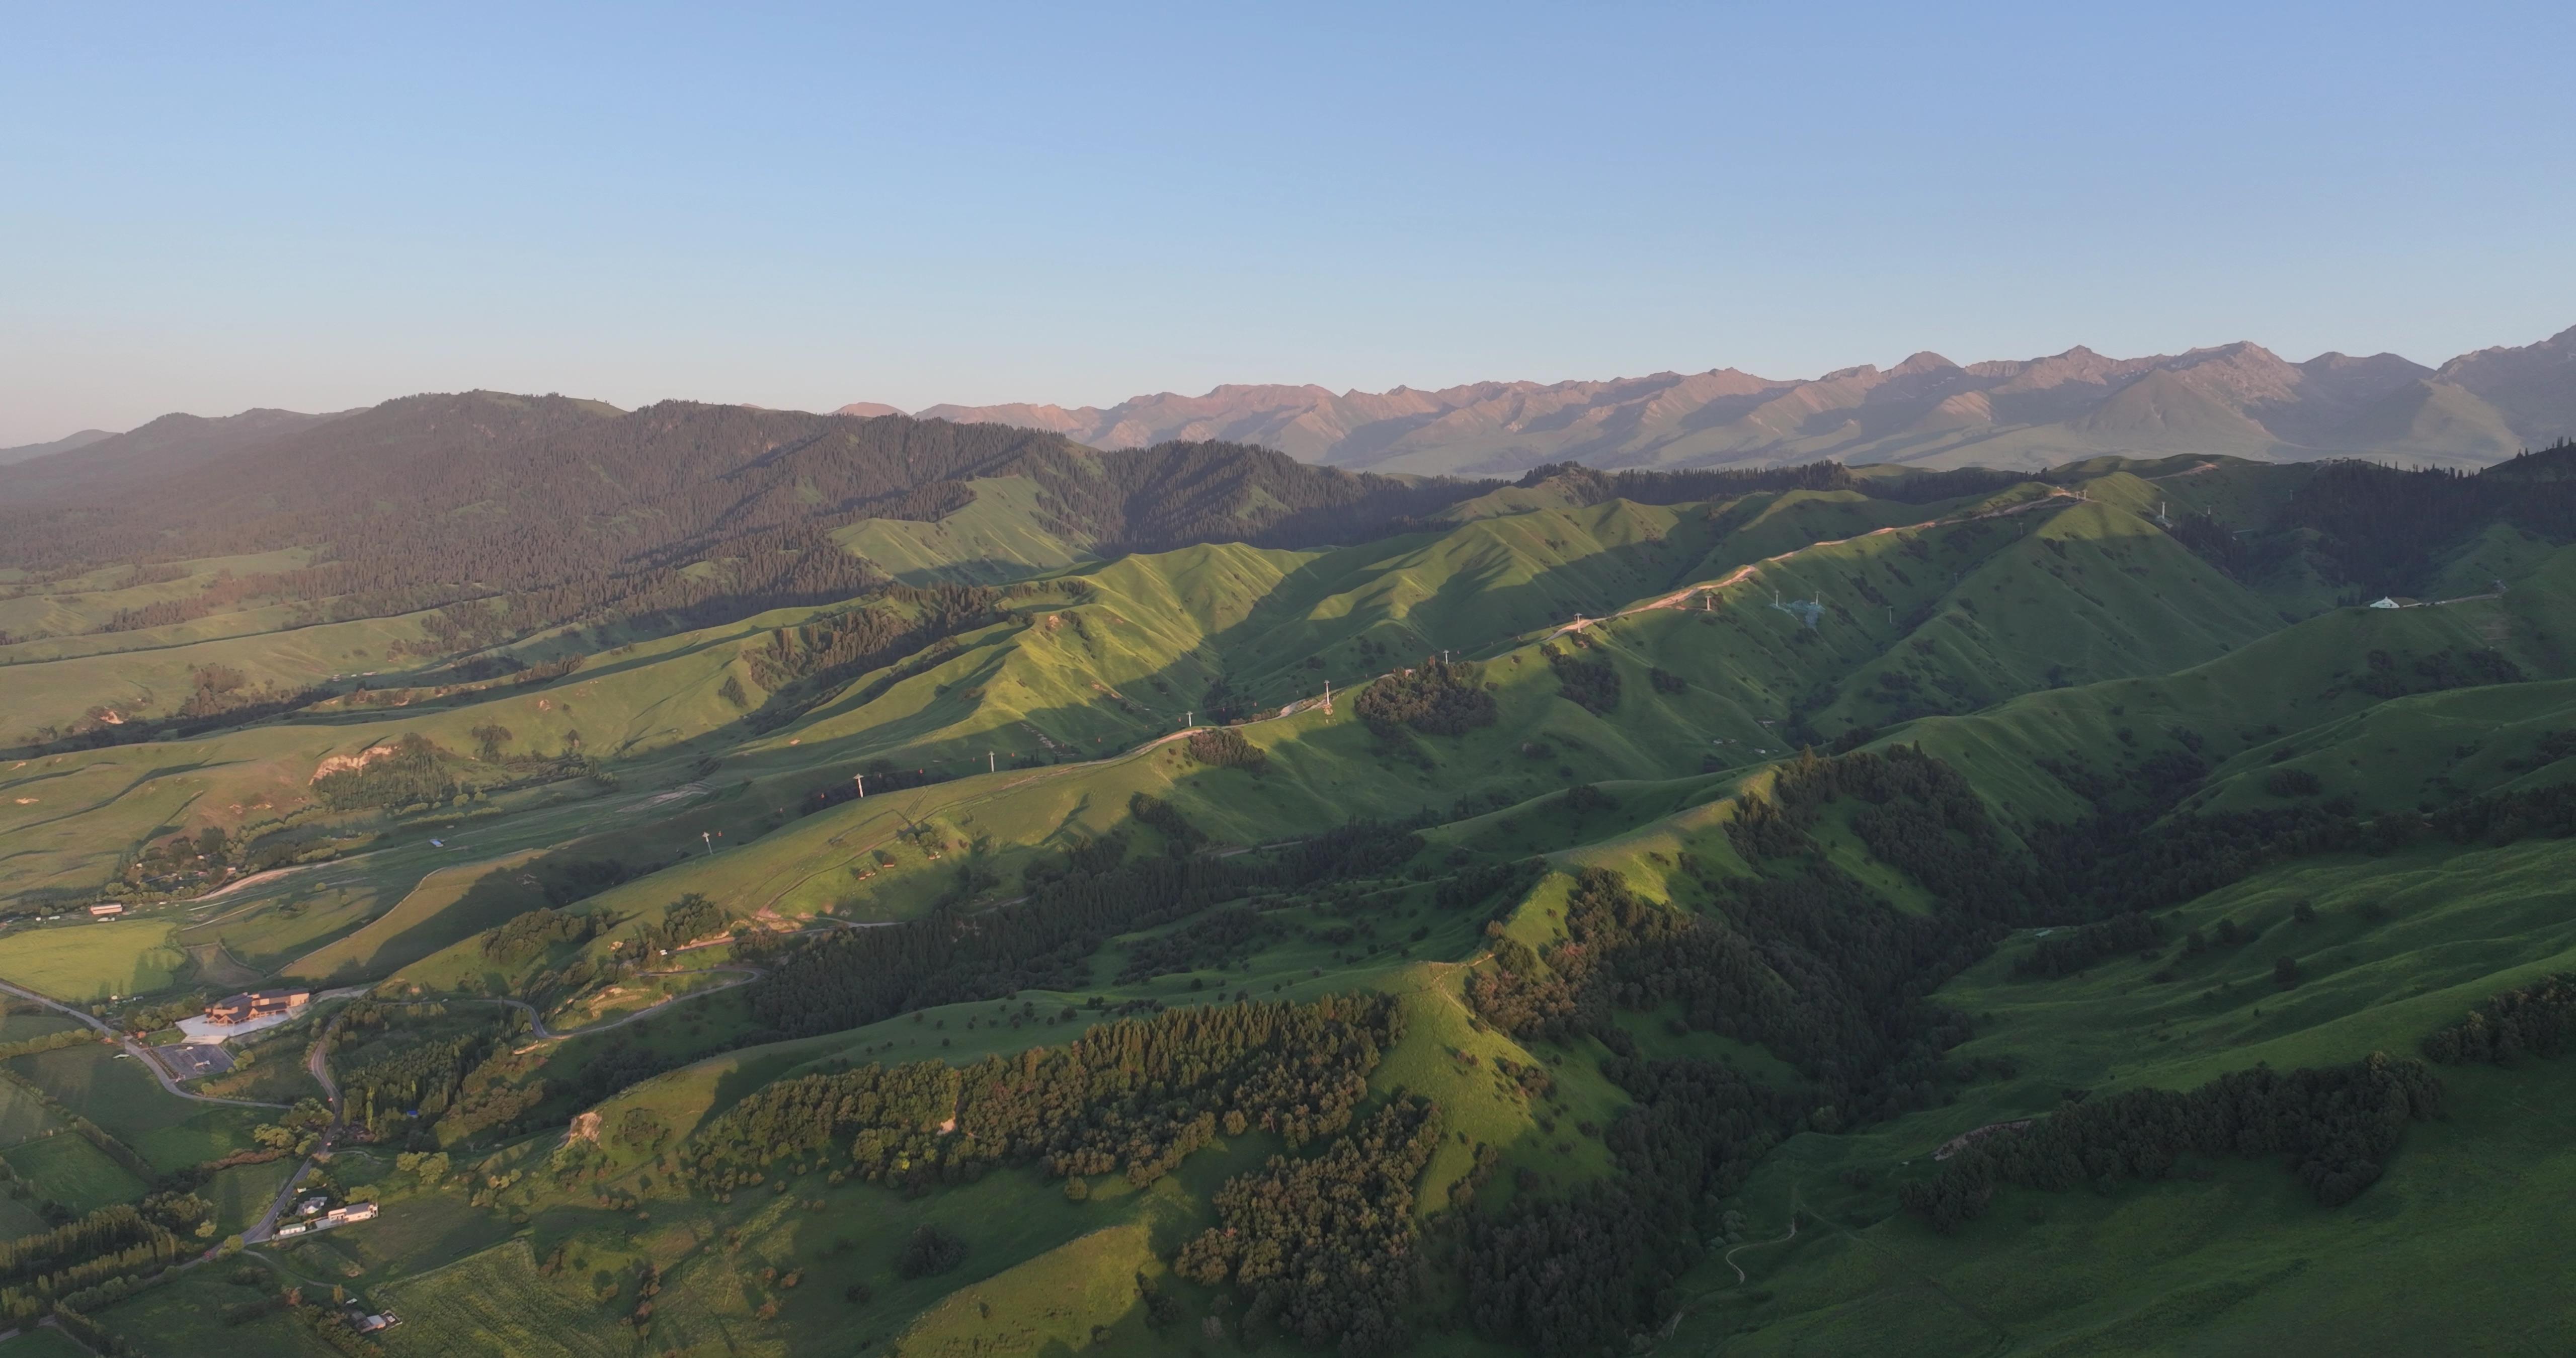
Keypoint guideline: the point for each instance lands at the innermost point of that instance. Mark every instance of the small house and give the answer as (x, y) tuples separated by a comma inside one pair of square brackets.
[(109, 911)]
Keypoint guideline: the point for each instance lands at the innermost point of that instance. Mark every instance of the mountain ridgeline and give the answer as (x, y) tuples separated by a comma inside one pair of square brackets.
[(774, 884), (2236, 399)]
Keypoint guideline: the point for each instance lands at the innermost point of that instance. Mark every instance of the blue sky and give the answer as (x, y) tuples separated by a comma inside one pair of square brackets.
[(207, 208)]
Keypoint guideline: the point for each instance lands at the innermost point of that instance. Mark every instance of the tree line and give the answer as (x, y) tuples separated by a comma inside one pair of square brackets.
[(1132, 1097), (1323, 1246), (1076, 902), (1436, 698)]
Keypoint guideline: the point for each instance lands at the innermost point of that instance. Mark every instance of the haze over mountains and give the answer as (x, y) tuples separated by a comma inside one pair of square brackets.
[(2237, 398)]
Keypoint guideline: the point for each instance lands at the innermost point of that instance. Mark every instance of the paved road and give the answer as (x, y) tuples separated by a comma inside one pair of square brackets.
[(318, 1062), (134, 1049)]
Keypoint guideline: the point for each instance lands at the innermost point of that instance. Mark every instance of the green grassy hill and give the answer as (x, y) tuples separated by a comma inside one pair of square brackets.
[(1624, 971)]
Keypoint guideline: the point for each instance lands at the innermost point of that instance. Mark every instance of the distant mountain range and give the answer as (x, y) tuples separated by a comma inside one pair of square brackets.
[(65, 444), (2238, 398)]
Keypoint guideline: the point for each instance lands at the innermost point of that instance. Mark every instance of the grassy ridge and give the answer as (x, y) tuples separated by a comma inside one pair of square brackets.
[(2004, 633)]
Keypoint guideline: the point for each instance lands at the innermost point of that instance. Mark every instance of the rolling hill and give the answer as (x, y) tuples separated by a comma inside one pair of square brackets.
[(1817, 909)]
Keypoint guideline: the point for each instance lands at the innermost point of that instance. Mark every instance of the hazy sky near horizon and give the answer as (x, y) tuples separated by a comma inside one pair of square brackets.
[(208, 208)]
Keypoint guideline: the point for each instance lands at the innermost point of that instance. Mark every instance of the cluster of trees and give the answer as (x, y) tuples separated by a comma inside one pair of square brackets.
[(2068, 952), (1225, 749), (418, 771), (2534, 1020), (1323, 1246), (1075, 903), (928, 1251), (415, 770), (219, 697), (2337, 1125), (532, 934), (686, 920), (1590, 684), (2442, 670), (1435, 697), (578, 879), (1219, 938), (1476, 885), (1131, 1097), (2385, 529), (1592, 1271), (2130, 856), (799, 665), (1592, 487), (403, 1072), (112, 1242), (1803, 958), (551, 510), (1813, 966), (1179, 836)]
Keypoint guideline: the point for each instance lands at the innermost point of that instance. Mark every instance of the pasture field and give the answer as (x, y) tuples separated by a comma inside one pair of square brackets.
[(175, 1317), (419, 1232), (208, 1135), (46, 1341), (32, 1023), (277, 1076), (23, 1116), (2242, 1262), (103, 1084), (18, 1219), (497, 1302), (151, 681), (92, 961), (240, 1194), (1081, 1294), (73, 1172)]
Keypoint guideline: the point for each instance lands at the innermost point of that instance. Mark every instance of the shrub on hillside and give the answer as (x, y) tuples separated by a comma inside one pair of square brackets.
[(2292, 783), (1434, 698), (1591, 684), (1226, 749), (930, 1250)]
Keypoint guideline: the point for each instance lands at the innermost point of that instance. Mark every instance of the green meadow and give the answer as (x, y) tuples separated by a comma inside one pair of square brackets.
[(1642, 678)]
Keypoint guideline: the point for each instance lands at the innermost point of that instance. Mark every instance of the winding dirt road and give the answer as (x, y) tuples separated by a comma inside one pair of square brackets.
[(537, 1023)]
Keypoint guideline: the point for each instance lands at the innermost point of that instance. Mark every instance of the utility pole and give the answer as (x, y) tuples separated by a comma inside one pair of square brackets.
[(988, 761), (709, 840), (1328, 697), (862, 781), (1185, 718)]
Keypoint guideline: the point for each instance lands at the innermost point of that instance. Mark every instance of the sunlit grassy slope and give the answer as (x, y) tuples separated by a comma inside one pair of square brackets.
[(2040, 626)]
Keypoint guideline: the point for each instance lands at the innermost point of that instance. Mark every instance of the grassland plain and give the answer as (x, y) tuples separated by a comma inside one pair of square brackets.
[(2008, 632), (109, 1088), (179, 1316), (93, 960), (19, 1219), (23, 1115), (73, 1172), (43, 1342), (497, 1302)]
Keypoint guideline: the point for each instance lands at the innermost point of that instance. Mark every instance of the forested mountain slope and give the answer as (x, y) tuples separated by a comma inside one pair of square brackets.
[(1792, 911)]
